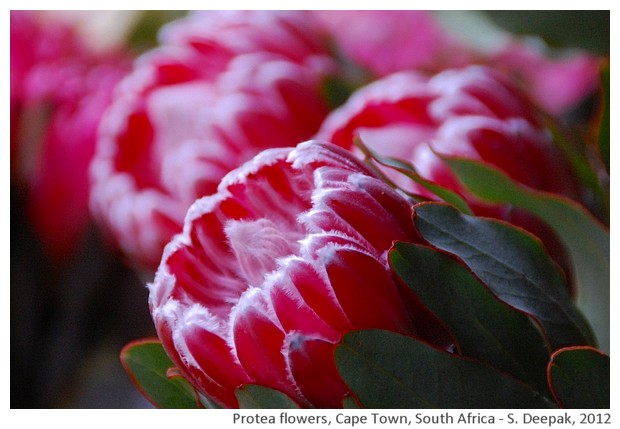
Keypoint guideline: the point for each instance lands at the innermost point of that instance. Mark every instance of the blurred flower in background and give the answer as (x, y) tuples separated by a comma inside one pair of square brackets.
[(400, 40), (429, 42), (121, 121), (60, 87), (220, 87), (64, 66)]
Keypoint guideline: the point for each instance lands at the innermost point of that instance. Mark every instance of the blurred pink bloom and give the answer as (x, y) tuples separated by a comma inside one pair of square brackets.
[(554, 84), (271, 271), (472, 113), (59, 89), (221, 87), (389, 41)]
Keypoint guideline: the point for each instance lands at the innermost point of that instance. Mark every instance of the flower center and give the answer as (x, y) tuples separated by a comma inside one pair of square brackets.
[(258, 245)]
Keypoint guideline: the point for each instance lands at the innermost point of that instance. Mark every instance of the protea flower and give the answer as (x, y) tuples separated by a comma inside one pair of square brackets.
[(472, 113), (60, 87), (556, 85), (221, 87), (310, 277), (270, 271), (400, 40), (421, 41)]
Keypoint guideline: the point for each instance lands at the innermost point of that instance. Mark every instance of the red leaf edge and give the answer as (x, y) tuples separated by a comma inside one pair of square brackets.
[(123, 354), (551, 364)]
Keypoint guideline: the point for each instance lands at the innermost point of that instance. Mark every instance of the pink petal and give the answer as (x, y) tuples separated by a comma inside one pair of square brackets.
[(214, 357), (258, 345), (318, 294), (294, 314), (313, 366), (365, 291)]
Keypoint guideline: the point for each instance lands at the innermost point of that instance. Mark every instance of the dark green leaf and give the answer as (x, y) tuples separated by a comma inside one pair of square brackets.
[(147, 364), (512, 263), (485, 328), (579, 378), (408, 170), (389, 370), (254, 396), (585, 238)]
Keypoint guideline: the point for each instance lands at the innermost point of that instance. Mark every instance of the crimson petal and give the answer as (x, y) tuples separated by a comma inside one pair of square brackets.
[(366, 291), (313, 366)]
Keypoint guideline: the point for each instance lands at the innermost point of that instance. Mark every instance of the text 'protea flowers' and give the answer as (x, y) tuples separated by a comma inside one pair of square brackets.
[(270, 271), (221, 87)]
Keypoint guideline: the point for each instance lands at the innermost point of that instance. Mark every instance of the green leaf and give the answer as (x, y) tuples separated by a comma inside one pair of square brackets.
[(585, 238), (147, 364), (408, 170), (579, 378), (254, 396), (512, 263), (389, 370), (484, 327)]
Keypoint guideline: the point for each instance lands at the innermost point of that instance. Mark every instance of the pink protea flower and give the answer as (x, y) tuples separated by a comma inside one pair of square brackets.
[(404, 40), (221, 87), (473, 113), (270, 272), (387, 41), (59, 90), (554, 84)]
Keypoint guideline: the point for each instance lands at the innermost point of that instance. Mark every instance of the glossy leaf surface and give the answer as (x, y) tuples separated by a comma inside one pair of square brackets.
[(485, 328), (389, 370), (579, 378), (587, 240), (147, 365), (512, 263)]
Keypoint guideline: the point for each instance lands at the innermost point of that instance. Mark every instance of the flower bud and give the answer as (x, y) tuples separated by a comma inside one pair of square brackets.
[(271, 271)]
